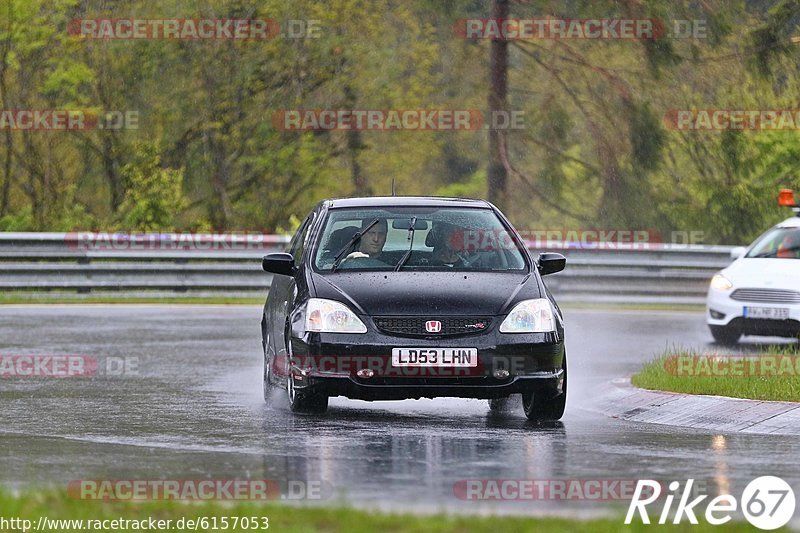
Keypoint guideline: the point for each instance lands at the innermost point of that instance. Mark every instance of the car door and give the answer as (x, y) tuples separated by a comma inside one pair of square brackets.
[(280, 301)]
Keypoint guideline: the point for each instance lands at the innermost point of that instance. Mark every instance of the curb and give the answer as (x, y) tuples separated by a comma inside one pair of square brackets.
[(619, 399)]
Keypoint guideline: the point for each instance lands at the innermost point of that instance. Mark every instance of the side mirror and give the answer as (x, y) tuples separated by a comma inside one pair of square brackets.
[(551, 262), (738, 252), (278, 263)]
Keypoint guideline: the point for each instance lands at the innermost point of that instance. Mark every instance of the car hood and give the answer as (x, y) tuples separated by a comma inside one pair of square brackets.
[(764, 273), (440, 293)]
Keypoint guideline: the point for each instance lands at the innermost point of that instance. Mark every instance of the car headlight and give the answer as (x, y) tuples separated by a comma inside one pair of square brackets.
[(530, 316), (720, 282), (330, 316)]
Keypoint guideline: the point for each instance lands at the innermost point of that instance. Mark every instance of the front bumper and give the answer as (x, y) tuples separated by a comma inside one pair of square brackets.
[(722, 310), (329, 364)]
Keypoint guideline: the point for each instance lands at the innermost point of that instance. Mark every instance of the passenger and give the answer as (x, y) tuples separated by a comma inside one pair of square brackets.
[(443, 237)]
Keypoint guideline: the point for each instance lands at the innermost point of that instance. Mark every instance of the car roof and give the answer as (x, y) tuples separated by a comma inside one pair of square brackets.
[(793, 222), (405, 201)]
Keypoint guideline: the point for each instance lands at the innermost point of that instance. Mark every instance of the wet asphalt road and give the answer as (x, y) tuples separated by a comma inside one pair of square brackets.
[(192, 408)]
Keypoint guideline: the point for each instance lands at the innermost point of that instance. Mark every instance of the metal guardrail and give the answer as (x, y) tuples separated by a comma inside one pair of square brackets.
[(230, 265)]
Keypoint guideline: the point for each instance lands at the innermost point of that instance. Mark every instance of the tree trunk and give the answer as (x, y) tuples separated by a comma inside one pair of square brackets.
[(4, 194), (111, 169), (498, 90), (220, 211), (354, 145)]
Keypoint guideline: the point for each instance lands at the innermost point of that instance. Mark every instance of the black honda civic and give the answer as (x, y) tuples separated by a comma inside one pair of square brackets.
[(388, 298)]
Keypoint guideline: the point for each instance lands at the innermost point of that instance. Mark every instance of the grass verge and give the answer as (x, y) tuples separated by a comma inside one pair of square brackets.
[(59, 506), (771, 375)]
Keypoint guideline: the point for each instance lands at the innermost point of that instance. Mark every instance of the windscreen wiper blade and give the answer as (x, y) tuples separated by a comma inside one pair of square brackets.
[(355, 238), (410, 246)]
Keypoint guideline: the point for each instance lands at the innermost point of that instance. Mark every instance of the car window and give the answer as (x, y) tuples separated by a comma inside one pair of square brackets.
[(779, 243), (469, 239), (300, 240)]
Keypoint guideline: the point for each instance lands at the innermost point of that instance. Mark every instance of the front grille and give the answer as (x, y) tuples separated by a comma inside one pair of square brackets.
[(766, 295), (415, 326)]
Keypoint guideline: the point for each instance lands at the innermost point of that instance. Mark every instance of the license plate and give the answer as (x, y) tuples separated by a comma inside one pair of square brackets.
[(455, 357), (775, 313)]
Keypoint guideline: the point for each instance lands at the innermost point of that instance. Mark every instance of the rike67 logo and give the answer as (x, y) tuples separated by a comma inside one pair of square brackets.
[(767, 502)]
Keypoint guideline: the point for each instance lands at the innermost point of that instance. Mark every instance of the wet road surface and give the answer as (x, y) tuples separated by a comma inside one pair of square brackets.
[(189, 406)]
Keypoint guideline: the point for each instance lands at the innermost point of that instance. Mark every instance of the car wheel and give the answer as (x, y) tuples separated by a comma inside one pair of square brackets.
[(725, 334), (267, 385), (301, 401), (546, 409)]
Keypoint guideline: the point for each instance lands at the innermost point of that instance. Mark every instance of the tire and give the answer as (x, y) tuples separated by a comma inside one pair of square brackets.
[(268, 386), (725, 335), (546, 410), (308, 402)]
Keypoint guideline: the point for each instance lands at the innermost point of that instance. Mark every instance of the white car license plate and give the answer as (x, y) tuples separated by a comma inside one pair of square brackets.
[(776, 313), (435, 357)]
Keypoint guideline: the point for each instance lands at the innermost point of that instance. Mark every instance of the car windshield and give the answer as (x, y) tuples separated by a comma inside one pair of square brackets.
[(780, 243), (443, 238)]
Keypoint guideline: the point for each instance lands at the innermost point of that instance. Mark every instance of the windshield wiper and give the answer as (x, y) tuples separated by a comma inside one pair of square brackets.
[(410, 246), (355, 238)]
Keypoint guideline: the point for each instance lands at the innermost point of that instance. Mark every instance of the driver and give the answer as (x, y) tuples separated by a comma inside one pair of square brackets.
[(790, 246), (371, 243)]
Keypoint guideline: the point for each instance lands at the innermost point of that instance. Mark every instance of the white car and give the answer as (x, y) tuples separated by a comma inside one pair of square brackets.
[(759, 293)]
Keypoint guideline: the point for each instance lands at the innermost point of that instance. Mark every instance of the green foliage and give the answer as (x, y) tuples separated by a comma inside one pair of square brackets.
[(647, 137), (773, 38), (153, 193), (19, 221), (473, 187), (291, 227), (594, 150), (660, 54)]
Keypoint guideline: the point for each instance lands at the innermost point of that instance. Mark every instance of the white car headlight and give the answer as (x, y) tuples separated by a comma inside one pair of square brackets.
[(720, 282), (330, 316), (530, 316)]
